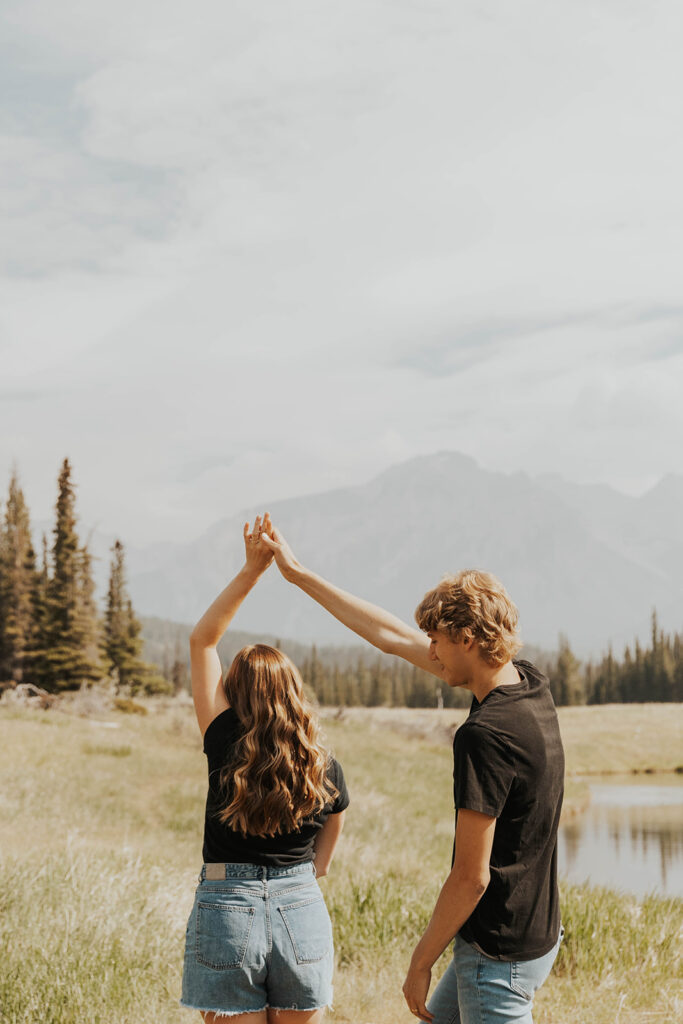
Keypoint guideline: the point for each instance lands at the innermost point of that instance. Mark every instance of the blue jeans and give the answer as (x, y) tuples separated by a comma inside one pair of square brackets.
[(475, 989)]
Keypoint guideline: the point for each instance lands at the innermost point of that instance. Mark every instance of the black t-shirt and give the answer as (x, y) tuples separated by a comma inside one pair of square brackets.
[(224, 845), (509, 763)]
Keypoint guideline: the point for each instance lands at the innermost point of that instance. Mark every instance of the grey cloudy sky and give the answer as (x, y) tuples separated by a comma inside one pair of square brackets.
[(257, 250)]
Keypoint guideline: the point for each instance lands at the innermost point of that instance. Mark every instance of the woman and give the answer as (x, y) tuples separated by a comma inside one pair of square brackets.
[(259, 941)]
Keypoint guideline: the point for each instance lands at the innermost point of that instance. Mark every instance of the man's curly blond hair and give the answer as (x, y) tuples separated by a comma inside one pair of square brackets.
[(473, 605)]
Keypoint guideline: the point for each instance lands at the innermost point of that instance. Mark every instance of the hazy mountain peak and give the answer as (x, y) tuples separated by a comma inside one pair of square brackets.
[(669, 488), (582, 560), (443, 462)]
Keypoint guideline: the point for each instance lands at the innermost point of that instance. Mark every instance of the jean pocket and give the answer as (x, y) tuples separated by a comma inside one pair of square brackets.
[(521, 981), (310, 929), (527, 976), (222, 935)]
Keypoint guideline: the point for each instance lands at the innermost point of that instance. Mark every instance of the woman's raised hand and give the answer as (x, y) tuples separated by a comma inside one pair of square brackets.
[(284, 556), (258, 553)]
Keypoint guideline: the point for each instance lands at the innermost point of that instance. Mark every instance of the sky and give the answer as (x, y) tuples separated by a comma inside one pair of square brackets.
[(253, 251)]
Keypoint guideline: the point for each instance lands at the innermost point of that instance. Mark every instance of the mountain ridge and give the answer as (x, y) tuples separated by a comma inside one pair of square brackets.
[(582, 560)]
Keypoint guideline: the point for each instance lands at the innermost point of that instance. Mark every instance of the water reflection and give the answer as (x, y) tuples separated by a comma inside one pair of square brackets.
[(630, 838)]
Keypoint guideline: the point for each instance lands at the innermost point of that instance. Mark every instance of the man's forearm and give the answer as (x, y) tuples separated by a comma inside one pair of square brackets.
[(374, 624), (458, 898)]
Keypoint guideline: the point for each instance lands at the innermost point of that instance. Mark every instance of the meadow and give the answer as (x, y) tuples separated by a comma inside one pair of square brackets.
[(100, 840)]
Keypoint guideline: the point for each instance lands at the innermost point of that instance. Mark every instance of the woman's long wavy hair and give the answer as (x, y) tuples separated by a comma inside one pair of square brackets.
[(277, 777)]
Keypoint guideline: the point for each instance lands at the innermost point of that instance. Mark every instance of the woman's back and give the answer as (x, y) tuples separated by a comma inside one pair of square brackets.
[(222, 843)]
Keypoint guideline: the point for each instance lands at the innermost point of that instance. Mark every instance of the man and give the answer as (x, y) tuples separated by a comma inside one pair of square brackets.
[(500, 901)]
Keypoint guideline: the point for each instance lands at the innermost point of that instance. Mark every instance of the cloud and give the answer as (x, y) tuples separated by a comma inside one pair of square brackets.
[(470, 345), (63, 211), (455, 349), (9, 395), (268, 249)]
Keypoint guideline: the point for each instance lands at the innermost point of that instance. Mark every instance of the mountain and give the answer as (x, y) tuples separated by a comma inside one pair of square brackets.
[(582, 560)]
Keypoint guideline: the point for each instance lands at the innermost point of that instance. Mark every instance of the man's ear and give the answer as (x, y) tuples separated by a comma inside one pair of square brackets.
[(467, 638)]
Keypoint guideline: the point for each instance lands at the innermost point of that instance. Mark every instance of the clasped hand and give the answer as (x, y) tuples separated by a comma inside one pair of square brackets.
[(258, 554), (265, 543)]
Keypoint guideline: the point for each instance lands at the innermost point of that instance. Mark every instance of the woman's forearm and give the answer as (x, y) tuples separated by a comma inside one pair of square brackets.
[(221, 612), (326, 841)]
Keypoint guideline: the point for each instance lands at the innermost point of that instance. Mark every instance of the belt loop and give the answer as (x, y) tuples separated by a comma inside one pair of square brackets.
[(315, 873)]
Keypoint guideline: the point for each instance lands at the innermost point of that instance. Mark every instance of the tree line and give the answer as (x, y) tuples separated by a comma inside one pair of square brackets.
[(376, 681), (51, 632), (651, 673), (643, 674), (52, 635), (349, 676)]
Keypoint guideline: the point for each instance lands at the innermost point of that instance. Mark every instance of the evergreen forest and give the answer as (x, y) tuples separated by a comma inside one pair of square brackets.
[(53, 635)]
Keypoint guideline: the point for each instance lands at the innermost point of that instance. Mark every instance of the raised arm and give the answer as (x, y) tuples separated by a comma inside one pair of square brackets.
[(379, 627), (207, 690)]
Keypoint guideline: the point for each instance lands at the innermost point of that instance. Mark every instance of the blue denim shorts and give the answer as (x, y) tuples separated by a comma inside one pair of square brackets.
[(258, 937)]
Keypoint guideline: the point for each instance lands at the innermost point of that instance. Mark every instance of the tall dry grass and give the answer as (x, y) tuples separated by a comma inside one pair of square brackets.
[(100, 832)]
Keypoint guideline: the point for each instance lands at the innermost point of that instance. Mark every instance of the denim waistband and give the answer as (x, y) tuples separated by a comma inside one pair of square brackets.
[(217, 872)]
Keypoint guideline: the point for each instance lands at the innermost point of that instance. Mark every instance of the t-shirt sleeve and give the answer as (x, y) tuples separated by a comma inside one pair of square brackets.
[(336, 776), (483, 771)]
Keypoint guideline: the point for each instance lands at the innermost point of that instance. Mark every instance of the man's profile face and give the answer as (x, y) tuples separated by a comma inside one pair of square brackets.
[(453, 657)]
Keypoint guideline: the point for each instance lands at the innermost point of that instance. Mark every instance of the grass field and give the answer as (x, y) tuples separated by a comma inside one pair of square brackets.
[(100, 836)]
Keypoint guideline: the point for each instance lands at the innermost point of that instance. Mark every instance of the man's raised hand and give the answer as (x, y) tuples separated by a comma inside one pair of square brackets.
[(284, 556)]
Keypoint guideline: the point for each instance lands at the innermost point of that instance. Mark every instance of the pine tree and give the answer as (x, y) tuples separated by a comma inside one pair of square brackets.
[(179, 675), (37, 666), (17, 577), (678, 670), (422, 690), (122, 640), (339, 686), (398, 695), (115, 638), (565, 683), (375, 694), (362, 676), (70, 657), (351, 687), (610, 671), (638, 674), (90, 626)]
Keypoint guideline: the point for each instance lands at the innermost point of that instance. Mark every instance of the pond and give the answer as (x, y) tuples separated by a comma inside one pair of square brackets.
[(630, 837)]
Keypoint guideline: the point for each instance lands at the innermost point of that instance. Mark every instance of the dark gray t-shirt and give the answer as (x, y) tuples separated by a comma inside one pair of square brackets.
[(224, 845), (509, 763)]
